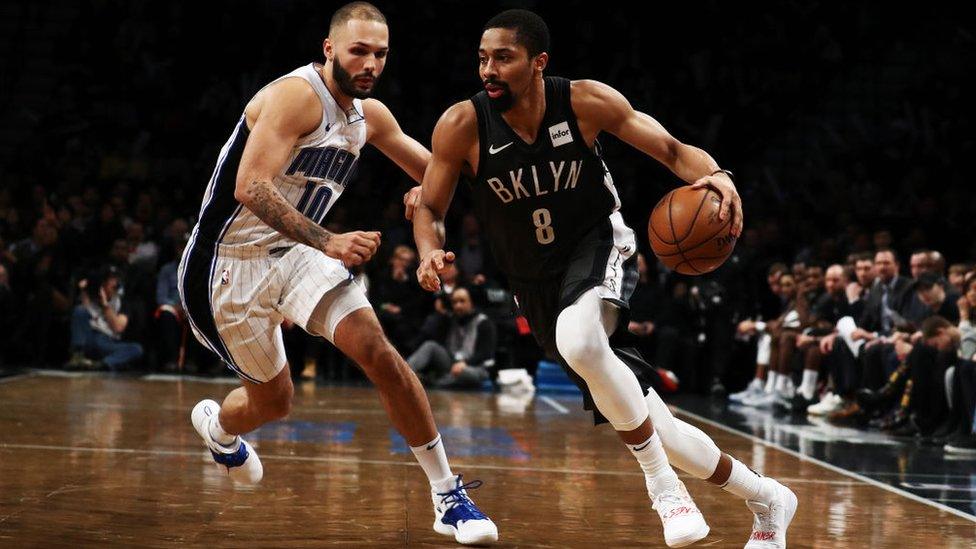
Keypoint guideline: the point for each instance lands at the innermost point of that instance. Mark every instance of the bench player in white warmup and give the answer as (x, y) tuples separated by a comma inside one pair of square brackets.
[(259, 255), (550, 212)]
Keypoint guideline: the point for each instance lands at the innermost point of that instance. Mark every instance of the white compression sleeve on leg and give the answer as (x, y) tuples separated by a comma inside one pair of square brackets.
[(688, 448), (583, 343)]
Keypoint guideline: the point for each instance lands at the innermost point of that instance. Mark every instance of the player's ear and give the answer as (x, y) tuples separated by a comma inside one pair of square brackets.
[(327, 48), (541, 61)]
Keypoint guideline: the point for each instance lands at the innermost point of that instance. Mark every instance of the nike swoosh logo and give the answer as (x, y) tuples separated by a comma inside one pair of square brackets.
[(645, 445), (493, 150), (434, 445)]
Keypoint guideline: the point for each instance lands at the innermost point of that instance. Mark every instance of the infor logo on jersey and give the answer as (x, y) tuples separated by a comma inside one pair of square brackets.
[(560, 134)]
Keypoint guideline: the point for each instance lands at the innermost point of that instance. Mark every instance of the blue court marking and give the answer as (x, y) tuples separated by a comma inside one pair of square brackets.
[(315, 432), (470, 442)]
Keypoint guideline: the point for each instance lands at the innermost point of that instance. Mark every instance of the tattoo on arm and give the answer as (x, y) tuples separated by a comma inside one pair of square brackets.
[(272, 208)]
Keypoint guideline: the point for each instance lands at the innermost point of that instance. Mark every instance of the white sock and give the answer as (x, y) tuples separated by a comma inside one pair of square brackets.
[(757, 383), (809, 385), (658, 474), (771, 379), (746, 483), (781, 384), (218, 434), (433, 460)]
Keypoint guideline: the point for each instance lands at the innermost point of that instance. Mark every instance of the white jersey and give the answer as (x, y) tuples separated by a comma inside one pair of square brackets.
[(318, 169)]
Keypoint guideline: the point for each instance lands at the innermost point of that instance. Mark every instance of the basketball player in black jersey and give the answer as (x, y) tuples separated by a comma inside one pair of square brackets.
[(529, 145)]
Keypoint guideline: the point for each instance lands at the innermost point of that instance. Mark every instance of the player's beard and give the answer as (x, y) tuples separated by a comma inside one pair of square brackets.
[(347, 82), (504, 101)]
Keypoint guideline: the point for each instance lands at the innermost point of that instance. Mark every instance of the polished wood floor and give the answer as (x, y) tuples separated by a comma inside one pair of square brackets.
[(96, 461)]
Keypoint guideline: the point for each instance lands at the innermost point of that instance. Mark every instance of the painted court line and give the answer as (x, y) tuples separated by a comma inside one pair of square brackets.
[(15, 377), (825, 465), (330, 459), (558, 407)]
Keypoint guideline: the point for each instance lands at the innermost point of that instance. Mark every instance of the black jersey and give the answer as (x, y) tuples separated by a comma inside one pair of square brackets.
[(536, 202)]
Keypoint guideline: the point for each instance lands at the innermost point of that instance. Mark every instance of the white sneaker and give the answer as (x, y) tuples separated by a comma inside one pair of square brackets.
[(456, 515), (828, 403), (763, 400), (754, 389), (772, 519), (238, 459), (683, 522)]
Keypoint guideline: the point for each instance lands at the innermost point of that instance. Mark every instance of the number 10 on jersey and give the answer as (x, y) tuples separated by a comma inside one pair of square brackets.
[(543, 226)]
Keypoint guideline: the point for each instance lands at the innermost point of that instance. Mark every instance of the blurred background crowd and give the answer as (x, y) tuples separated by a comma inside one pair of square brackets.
[(848, 128)]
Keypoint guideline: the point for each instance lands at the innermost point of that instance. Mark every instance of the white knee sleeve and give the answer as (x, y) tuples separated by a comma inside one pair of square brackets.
[(763, 349), (583, 343), (687, 447)]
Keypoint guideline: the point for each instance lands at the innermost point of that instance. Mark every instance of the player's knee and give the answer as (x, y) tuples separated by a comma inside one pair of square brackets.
[(580, 351), (279, 407)]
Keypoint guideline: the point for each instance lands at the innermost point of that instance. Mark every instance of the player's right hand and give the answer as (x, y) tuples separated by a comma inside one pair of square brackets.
[(353, 248), (431, 266)]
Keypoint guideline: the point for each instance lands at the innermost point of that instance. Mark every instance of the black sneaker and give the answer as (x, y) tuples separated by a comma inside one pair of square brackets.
[(962, 445), (800, 403)]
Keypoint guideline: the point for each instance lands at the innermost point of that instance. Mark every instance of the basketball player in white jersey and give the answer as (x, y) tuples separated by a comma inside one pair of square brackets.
[(259, 254)]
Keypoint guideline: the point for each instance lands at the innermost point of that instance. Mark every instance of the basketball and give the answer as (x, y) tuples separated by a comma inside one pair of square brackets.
[(686, 233)]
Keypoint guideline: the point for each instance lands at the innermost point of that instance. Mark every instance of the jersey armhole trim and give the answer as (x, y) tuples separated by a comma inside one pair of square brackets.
[(483, 120)]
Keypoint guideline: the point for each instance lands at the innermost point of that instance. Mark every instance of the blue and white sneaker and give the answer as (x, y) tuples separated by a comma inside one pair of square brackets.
[(456, 515), (238, 459)]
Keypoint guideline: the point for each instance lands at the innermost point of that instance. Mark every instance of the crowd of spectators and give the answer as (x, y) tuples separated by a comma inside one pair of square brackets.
[(103, 167), (873, 346)]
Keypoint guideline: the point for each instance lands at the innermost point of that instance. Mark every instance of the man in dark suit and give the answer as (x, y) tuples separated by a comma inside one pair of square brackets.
[(884, 309), (887, 300)]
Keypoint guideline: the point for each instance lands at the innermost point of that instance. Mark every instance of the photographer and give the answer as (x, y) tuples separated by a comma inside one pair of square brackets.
[(97, 325)]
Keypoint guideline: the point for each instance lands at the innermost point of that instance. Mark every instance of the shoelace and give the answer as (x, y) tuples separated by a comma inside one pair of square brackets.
[(458, 500), (671, 497), (766, 519)]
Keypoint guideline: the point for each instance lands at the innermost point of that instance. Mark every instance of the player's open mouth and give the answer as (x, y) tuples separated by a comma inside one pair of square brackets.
[(494, 91), (365, 80)]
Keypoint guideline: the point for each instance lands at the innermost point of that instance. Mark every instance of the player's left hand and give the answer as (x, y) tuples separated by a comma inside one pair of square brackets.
[(411, 199), (731, 203)]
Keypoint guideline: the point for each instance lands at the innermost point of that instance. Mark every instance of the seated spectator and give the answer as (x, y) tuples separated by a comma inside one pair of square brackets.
[(857, 290), (770, 305), (767, 354), (961, 431), (97, 325), (463, 359), (957, 276), (829, 308), (399, 300), (169, 313)]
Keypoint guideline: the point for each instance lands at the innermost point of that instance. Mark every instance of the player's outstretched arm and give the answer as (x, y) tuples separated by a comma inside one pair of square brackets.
[(454, 135), (600, 107), (385, 134), (287, 111)]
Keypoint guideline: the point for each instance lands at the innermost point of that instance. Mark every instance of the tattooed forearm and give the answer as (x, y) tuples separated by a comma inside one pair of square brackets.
[(272, 208)]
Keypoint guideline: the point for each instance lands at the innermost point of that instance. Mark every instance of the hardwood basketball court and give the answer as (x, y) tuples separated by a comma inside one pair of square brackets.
[(96, 460)]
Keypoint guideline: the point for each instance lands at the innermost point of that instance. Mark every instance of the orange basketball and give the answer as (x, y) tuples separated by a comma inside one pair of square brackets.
[(686, 234)]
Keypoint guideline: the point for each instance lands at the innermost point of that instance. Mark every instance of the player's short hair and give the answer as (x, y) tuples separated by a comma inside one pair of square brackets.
[(530, 30), (363, 11)]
